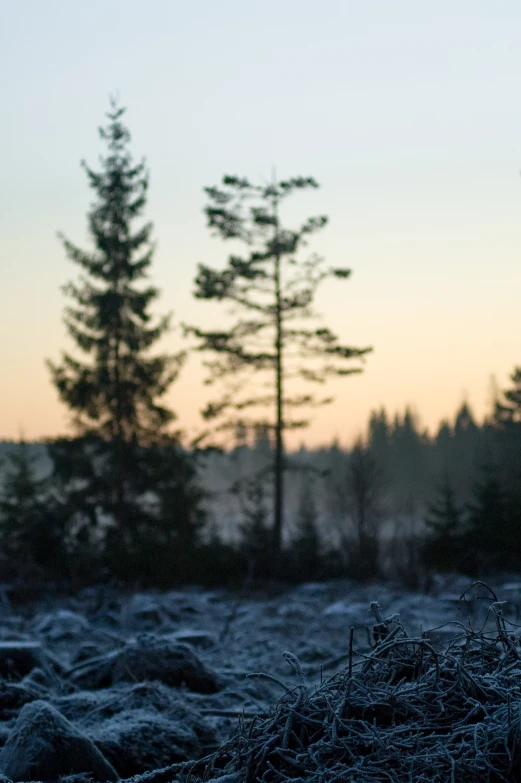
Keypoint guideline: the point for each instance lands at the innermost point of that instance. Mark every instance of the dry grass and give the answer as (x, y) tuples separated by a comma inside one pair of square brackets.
[(408, 710)]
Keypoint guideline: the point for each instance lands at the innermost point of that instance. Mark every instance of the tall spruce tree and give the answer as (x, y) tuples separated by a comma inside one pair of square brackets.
[(275, 291), (120, 426)]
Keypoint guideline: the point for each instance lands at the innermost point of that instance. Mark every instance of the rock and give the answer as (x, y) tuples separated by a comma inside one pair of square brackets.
[(85, 652), (13, 696), (81, 777), (18, 658), (137, 741), (142, 612), (61, 625), (175, 664), (38, 681), (79, 704), (316, 590), (90, 707), (148, 658), (295, 611), (202, 639), (179, 603), (43, 745), (93, 673), (350, 609)]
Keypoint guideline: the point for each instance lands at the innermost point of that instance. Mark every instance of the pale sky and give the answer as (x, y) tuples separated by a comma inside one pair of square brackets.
[(407, 113)]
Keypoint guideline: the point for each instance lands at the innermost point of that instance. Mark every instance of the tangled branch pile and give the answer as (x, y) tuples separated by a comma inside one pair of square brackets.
[(409, 710)]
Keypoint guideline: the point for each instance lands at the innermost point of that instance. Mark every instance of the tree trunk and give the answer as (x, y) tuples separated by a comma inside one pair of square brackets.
[(279, 445)]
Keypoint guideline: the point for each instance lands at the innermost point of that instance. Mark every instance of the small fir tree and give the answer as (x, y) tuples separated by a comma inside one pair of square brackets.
[(493, 542), (507, 437), (509, 410), (379, 438), (365, 486), (445, 544), (254, 529), (306, 544), (30, 534)]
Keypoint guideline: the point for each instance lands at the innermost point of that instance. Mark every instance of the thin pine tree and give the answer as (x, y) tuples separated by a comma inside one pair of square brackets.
[(275, 291)]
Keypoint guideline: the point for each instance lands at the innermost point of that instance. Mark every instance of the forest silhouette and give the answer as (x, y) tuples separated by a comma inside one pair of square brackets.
[(126, 498)]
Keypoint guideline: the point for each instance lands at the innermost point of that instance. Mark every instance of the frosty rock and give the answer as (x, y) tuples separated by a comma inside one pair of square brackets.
[(43, 745), (175, 664)]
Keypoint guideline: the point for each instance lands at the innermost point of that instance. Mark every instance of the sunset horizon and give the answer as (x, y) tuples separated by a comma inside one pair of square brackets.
[(417, 157)]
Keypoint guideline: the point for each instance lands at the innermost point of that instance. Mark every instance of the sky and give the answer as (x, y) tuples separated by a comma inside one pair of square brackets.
[(407, 114)]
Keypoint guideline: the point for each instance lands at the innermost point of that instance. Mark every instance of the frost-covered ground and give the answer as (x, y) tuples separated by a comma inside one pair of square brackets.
[(110, 686)]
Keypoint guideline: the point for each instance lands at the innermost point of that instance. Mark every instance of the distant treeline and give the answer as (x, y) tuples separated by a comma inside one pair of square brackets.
[(399, 504), (126, 498)]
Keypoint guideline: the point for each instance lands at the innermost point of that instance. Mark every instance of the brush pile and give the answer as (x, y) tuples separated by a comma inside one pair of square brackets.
[(409, 709)]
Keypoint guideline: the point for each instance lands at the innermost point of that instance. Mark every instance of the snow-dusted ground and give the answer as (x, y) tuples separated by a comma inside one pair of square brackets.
[(117, 685)]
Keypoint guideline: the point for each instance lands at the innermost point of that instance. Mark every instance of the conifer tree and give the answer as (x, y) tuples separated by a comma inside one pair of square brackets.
[(275, 291), (444, 548), (30, 534), (409, 452), (507, 436), (509, 410), (365, 483), (493, 540), (114, 392), (254, 529), (379, 434), (306, 544)]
